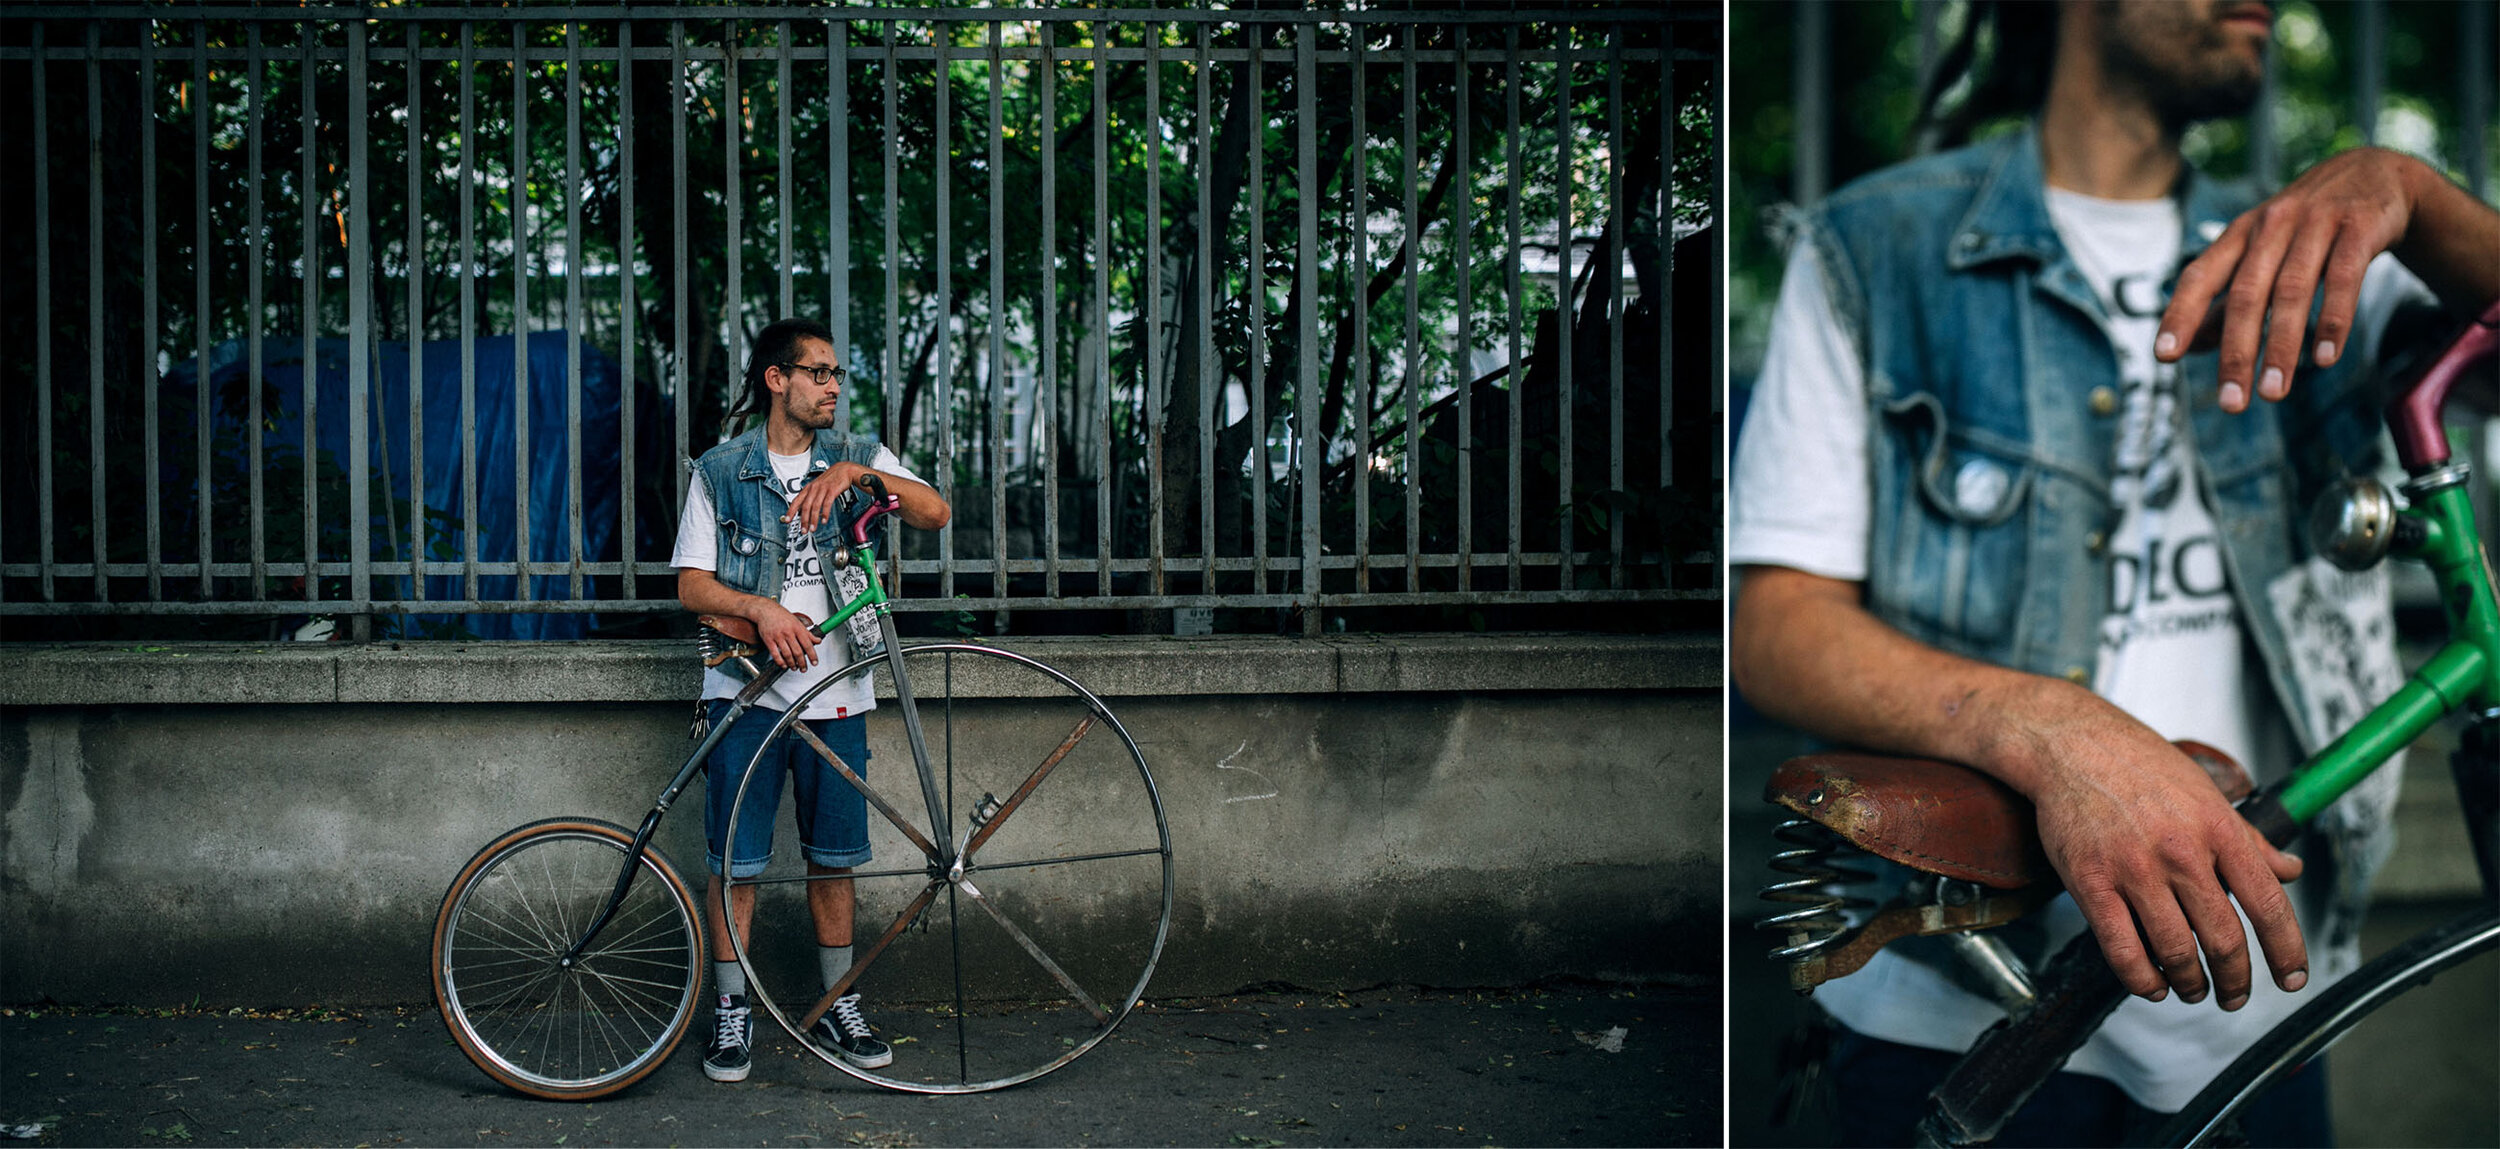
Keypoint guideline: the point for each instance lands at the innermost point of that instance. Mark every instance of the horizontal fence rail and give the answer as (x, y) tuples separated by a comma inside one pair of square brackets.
[(413, 315)]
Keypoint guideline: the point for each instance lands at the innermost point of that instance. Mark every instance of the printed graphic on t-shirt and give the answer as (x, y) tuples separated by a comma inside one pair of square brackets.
[(801, 567)]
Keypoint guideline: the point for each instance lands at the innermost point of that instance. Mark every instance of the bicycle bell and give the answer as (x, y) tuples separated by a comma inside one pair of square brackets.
[(2353, 523)]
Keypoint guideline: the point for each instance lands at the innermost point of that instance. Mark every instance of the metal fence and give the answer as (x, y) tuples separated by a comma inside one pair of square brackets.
[(1180, 308)]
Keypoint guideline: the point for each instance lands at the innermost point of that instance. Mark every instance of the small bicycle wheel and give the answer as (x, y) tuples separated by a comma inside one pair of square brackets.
[(1030, 950), (566, 1033)]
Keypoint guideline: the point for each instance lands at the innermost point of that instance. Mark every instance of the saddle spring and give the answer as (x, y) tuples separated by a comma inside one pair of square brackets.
[(1817, 863)]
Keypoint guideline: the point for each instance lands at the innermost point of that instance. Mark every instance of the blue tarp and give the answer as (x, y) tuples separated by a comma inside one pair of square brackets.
[(387, 411)]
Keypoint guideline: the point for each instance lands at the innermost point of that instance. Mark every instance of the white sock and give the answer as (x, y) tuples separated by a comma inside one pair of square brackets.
[(728, 977), (834, 962)]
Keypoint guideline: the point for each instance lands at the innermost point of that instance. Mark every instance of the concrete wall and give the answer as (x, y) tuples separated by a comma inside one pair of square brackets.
[(278, 825)]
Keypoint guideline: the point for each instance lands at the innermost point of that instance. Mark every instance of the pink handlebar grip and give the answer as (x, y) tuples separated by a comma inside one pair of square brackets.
[(2421, 443), (877, 508)]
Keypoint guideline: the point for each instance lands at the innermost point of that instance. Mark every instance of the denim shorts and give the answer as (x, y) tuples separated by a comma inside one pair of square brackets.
[(833, 818)]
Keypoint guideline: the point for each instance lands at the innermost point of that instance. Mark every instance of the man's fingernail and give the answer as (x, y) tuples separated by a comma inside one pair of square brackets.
[(2296, 979), (2326, 352), (2233, 1002), (2233, 397), (2272, 385), (2166, 344), (2162, 994)]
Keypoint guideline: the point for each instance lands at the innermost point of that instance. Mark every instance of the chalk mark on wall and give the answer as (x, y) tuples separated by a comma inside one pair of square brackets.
[(1227, 764)]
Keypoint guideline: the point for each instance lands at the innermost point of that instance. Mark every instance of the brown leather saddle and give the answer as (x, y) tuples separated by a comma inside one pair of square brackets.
[(1974, 833)]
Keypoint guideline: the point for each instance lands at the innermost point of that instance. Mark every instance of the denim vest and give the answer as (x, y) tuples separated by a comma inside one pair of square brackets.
[(753, 540), (1992, 381)]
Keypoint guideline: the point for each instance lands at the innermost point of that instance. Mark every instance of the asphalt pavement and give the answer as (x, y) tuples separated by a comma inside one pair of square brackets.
[(1572, 1064)]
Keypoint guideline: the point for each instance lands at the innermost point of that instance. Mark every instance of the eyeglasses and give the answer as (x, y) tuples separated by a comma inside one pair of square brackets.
[(822, 375)]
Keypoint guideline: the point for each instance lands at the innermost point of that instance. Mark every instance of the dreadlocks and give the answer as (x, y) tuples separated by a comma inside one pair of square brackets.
[(2020, 39)]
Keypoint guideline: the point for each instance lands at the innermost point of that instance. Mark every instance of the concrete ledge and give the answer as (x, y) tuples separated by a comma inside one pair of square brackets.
[(91, 674)]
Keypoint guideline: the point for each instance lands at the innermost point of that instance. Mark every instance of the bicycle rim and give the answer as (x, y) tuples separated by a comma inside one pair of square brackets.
[(2317, 1025), (1035, 952), (572, 1033)]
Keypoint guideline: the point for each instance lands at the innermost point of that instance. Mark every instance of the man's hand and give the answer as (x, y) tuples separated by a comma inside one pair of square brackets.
[(2139, 833), (2320, 234), (922, 508), (789, 638), (2153, 854), (814, 503)]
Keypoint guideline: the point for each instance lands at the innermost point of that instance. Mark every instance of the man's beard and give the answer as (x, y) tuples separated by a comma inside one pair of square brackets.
[(2206, 86)]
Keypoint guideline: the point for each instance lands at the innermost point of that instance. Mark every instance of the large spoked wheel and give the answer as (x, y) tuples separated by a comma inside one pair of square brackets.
[(1030, 947), (566, 1033)]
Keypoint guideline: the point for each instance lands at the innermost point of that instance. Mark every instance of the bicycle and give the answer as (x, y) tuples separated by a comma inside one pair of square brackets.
[(568, 955), (1975, 858)]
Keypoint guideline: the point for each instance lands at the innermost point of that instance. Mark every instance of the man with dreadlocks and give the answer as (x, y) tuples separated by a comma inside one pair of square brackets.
[(2005, 498), (759, 516)]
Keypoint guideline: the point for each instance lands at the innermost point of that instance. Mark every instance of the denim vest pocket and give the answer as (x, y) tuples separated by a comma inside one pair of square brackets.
[(743, 558), (1957, 552)]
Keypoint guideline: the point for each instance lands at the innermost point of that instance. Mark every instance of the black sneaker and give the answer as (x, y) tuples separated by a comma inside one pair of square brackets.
[(728, 1055), (843, 1031)]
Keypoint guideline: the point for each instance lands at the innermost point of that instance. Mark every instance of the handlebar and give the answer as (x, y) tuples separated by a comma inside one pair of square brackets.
[(2413, 419), (879, 504)]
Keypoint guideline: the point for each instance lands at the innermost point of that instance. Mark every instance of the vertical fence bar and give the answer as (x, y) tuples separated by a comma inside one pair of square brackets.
[(1670, 110), (309, 364), (95, 300), (1462, 364), (359, 340), (733, 163), (1307, 378), (524, 388), (2369, 64), (38, 70), (628, 349), (1358, 279), (2474, 63), (681, 88), (573, 318), (1618, 226), (417, 504), (1412, 212), (1154, 413), (838, 204), (1103, 474), (1210, 376), (942, 272), (147, 310), (1563, 291), (1046, 388), (1256, 312), (782, 190), (998, 314), (1516, 375), (469, 271), (1515, 381), (889, 370), (256, 241), (202, 246)]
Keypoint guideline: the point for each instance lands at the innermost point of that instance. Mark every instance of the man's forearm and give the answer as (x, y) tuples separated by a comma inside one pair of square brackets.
[(1805, 651), (703, 593), (2452, 242)]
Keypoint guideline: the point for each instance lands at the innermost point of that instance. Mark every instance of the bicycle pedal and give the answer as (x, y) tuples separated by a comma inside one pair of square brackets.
[(985, 809)]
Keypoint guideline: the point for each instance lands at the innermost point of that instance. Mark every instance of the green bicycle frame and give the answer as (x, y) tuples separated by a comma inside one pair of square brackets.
[(2464, 674)]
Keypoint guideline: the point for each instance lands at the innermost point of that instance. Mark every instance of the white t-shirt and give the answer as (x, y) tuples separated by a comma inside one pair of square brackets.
[(2171, 652), (803, 591)]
